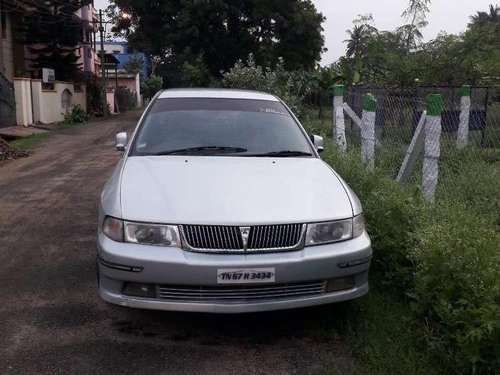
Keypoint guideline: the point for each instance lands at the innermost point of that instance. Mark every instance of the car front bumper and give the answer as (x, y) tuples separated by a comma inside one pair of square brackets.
[(120, 263)]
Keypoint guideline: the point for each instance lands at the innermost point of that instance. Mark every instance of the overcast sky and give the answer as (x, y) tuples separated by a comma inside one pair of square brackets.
[(451, 16)]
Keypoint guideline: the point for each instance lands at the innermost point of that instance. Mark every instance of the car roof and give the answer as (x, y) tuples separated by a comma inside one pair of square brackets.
[(217, 93)]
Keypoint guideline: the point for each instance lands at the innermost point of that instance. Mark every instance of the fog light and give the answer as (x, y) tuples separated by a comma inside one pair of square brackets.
[(140, 290), (343, 283)]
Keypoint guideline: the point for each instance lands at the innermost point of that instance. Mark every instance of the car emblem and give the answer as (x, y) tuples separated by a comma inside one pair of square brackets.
[(245, 233)]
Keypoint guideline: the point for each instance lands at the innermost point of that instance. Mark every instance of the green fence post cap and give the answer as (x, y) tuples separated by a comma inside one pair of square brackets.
[(434, 104), (465, 90), (338, 90), (369, 103)]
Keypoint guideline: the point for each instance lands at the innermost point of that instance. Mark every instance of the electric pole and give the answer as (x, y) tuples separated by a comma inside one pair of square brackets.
[(103, 68)]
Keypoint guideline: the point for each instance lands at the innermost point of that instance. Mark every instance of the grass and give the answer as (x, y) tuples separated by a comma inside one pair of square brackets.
[(379, 328), (382, 335), (431, 309), (31, 142)]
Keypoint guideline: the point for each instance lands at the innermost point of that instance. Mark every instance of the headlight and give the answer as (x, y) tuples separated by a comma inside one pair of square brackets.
[(152, 234), (141, 233), (334, 231), (113, 228), (358, 225)]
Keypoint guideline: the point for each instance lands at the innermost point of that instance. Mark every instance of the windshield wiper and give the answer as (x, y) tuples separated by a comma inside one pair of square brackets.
[(282, 154), (202, 149)]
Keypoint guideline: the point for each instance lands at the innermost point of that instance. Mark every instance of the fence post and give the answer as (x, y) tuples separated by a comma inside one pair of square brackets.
[(430, 170), (338, 117), (413, 151), (368, 130), (463, 128)]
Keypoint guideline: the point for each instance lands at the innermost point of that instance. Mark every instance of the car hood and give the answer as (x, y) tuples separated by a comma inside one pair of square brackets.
[(231, 190)]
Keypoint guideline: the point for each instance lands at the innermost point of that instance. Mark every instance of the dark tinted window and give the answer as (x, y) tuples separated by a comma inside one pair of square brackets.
[(250, 126)]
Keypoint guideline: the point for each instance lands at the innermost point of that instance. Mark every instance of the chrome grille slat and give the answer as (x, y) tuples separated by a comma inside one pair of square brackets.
[(240, 293), (238, 297), (234, 239), (252, 289), (220, 238)]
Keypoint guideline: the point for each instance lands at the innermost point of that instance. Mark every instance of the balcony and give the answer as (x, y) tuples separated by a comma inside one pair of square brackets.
[(88, 14)]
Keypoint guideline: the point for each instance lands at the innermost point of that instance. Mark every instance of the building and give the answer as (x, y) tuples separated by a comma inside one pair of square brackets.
[(88, 56), (117, 54), (122, 53), (24, 98), (12, 63)]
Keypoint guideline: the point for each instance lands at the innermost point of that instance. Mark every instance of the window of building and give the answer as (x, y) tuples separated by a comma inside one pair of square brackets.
[(66, 97)]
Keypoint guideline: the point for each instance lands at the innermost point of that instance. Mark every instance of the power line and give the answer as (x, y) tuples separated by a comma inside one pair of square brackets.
[(42, 12)]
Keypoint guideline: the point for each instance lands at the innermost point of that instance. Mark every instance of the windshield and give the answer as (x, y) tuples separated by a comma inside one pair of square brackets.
[(220, 127)]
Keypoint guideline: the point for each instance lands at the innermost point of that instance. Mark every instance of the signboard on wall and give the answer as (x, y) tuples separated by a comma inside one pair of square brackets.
[(48, 75)]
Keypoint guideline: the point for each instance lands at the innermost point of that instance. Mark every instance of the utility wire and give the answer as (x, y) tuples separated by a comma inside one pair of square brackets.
[(42, 12)]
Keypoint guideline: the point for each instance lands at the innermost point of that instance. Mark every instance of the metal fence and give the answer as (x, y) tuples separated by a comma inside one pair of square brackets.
[(397, 116)]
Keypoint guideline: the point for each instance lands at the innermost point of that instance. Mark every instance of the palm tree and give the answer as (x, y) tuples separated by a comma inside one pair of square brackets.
[(357, 45), (481, 18)]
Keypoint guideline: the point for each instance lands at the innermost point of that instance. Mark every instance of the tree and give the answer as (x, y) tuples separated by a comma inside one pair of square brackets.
[(416, 14), (134, 64), (482, 46), (52, 33), (482, 18), (151, 86), (194, 73), (362, 31), (220, 32)]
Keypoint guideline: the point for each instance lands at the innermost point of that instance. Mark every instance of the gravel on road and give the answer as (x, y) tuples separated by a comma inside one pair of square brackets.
[(53, 322)]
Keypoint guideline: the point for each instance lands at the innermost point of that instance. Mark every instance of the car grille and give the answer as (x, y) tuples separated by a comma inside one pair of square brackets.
[(215, 238), (240, 293)]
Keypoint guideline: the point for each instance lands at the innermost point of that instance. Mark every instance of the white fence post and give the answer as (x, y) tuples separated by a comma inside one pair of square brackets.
[(368, 130), (340, 129), (338, 117), (413, 151), (352, 115), (463, 128), (430, 170)]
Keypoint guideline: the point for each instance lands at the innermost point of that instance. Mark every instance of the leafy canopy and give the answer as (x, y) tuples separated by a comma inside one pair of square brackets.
[(397, 58), (212, 35)]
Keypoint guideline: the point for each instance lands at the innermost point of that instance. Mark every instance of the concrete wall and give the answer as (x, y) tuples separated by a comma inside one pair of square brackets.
[(80, 97), (22, 92), (110, 96), (131, 82), (50, 103), (35, 104)]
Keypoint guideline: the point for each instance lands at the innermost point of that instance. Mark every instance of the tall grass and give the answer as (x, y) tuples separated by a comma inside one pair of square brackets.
[(443, 259)]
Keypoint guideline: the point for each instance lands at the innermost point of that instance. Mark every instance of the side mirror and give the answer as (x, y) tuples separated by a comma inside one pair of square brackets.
[(318, 142), (121, 141)]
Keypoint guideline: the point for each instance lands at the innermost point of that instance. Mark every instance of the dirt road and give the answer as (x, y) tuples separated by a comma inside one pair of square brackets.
[(51, 319)]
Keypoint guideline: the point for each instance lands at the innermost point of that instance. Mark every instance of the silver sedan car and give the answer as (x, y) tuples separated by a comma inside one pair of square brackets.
[(222, 204)]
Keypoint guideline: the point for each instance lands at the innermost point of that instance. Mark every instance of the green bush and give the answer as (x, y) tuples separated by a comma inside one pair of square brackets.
[(291, 87), (443, 257), (151, 86), (94, 94), (457, 286), (76, 116), (124, 98), (390, 213)]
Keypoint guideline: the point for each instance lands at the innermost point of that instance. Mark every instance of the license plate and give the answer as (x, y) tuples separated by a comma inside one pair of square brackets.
[(246, 275)]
